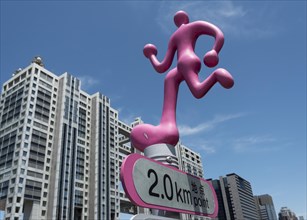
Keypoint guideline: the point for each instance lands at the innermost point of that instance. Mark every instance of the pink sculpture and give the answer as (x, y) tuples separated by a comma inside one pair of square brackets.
[(188, 66)]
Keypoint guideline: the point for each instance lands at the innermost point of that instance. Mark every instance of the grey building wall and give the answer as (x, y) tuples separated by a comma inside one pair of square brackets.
[(237, 198), (286, 214), (265, 207)]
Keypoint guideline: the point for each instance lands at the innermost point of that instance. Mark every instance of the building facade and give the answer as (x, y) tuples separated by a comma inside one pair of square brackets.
[(286, 214), (189, 160), (28, 123), (235, 198), (265, 207), (59, 149)]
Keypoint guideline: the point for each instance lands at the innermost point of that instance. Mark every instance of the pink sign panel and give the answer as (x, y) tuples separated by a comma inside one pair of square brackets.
[(151, 184)]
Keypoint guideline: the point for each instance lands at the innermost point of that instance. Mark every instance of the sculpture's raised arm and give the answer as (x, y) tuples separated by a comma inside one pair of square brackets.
[(150, 51)]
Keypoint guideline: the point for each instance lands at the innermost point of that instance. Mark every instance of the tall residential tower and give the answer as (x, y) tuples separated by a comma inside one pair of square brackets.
[(58, 149)]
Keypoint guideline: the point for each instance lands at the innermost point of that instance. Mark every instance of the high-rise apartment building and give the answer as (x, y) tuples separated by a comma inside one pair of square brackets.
[(28, 106), (235, 198), (61, 150), (265, 207), (189, 161), (286, 214)]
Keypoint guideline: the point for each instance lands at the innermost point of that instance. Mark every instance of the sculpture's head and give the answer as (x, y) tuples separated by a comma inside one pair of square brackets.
[(180, 18)]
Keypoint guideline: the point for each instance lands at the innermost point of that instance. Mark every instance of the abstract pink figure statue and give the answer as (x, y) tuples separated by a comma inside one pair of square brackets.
[(188, 65)]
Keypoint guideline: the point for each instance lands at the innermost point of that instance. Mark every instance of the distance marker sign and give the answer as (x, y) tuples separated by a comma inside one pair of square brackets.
[(151, 184)]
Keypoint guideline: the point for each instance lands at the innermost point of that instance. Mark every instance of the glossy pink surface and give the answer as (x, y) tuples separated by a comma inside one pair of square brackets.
[(188, 66), (126, 176)]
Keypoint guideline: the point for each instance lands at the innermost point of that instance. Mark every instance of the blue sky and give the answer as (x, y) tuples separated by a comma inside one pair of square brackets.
[(257, 129)]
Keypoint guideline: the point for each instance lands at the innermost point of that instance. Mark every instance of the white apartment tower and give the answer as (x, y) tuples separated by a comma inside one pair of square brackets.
[(58, 149), (28, 105), (189, 161)]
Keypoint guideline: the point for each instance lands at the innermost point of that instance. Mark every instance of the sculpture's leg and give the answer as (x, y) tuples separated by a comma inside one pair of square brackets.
[(199, 89), (166, 132)]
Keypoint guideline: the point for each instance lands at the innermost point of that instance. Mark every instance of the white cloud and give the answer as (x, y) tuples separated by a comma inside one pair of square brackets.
[(254, 144), (186, 130), (88, 81), (202, 145), (232, 18), (207, 148), (126, 117)]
